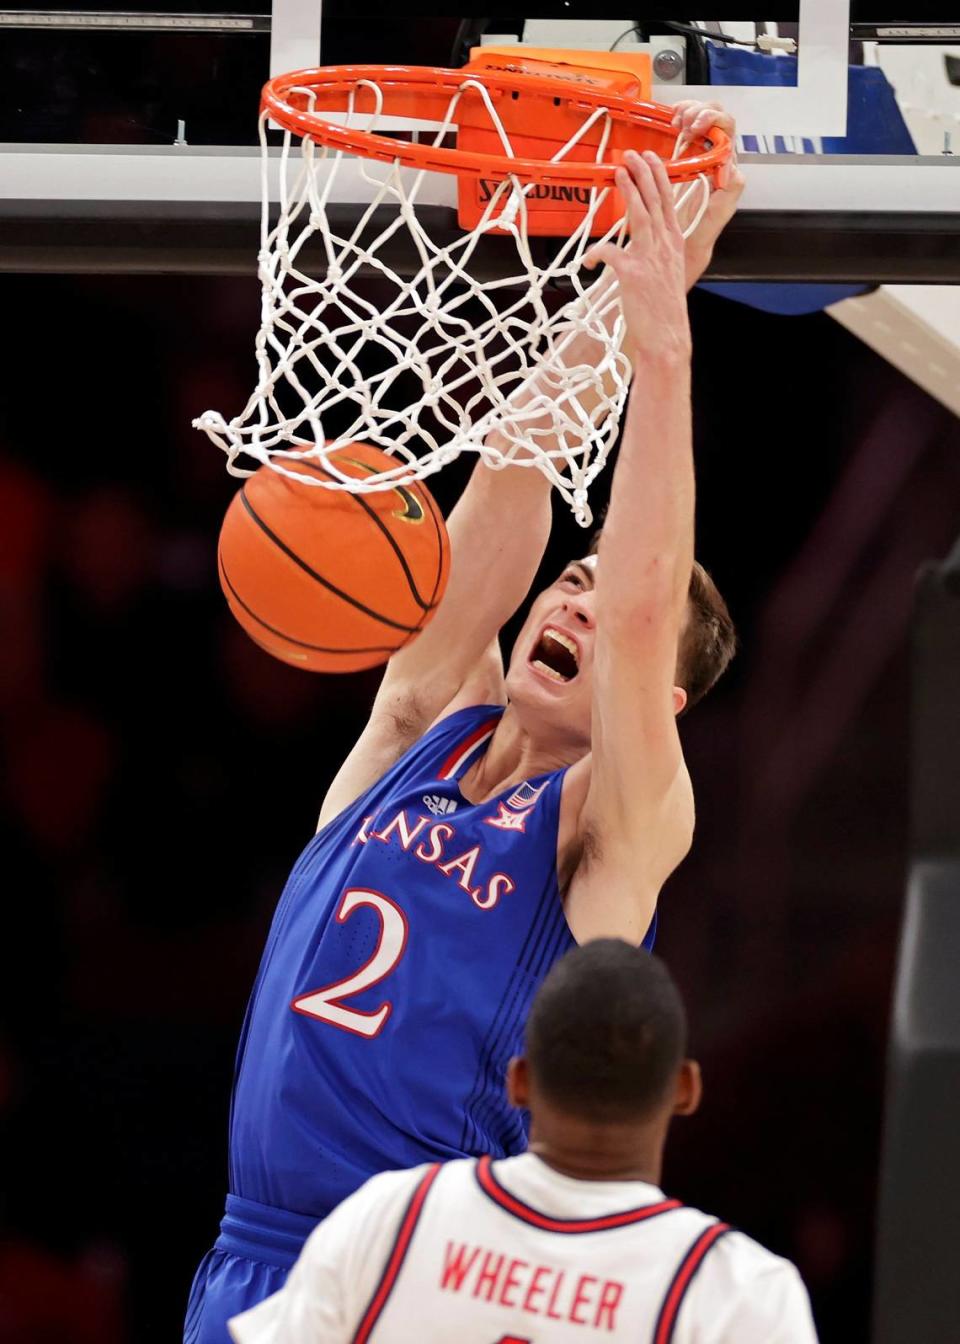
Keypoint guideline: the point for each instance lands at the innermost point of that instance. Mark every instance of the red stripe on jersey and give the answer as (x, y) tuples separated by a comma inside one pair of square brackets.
[(691, 1262), (465, 747), (396, 1257), (491, 1186)]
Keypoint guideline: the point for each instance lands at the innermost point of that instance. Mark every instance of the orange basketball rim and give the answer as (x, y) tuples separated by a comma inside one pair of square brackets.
[(560, 135)]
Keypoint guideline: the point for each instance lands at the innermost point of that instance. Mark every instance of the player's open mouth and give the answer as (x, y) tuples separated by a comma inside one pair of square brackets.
[(556, 656)]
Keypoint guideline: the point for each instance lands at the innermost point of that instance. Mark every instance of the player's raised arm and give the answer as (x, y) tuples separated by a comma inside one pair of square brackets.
[(501, 524), (637, 818)]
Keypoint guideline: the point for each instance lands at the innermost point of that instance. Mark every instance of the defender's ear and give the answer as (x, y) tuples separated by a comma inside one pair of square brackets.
[(689, 1088), (679, 700), (518, 1083)]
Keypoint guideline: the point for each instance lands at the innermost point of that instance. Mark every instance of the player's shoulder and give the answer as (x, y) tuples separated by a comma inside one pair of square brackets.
[(377, 1204), (743, 1260), (728, 1245), (484, 685), (748, 1292), (445, 1184), (385, 1199), (392, 1187), (727, 1251), (396, 735)]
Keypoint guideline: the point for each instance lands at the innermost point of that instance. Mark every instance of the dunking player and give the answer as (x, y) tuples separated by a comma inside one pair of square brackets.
[(483, 823), (574, 1238)]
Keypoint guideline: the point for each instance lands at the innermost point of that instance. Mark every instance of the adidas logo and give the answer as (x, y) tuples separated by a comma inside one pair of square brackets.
[(439, 805)]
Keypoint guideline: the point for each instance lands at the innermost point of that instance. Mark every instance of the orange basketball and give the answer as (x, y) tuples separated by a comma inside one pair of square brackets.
[(328, 580)]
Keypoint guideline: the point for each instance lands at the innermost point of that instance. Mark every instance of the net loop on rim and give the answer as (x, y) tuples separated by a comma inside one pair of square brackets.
[(393, 331)]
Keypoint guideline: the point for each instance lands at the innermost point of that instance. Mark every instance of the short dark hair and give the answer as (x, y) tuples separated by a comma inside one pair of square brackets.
[(708, 641), (606, 1033)]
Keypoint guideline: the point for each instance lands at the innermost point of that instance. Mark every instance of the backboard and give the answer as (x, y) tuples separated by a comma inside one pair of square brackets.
[(130, 135)]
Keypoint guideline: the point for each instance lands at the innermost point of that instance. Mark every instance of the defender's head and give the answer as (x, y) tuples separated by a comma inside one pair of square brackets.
[(551, 668), (606, 1047)]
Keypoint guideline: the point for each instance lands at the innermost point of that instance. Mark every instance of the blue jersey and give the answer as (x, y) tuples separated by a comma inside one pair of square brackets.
[(409, 941)]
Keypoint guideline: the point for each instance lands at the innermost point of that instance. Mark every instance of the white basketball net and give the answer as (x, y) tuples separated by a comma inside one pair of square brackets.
[(489, 356)]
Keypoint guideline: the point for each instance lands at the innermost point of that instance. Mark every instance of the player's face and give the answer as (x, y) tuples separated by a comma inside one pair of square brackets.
[(551, 668)]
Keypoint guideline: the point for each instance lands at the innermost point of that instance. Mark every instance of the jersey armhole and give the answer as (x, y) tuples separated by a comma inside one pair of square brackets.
[(484, 687)]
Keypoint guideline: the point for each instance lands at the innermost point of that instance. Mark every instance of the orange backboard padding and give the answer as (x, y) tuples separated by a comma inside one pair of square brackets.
[(626, 72), (556, 209)]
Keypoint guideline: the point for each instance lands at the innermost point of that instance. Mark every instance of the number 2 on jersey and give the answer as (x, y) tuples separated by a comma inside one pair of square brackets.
[(327, 1003)]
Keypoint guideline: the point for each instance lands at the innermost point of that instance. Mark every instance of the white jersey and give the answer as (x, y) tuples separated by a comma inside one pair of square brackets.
[(512, 1252)]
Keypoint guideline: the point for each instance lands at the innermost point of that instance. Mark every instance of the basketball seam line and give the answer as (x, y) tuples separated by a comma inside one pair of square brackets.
[(411, 583), (438, 527), (385, 620), (302, 643)]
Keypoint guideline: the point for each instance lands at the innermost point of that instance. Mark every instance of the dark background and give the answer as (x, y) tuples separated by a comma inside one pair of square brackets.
[(161, 773)]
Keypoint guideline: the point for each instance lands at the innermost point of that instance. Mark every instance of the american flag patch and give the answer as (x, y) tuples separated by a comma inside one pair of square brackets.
[(526, 795)]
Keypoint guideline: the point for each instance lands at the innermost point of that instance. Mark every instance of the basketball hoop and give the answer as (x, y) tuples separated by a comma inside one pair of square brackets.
[(450, 360)]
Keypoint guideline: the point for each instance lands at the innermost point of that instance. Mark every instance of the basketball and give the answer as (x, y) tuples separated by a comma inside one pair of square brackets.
[(326, 579)]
